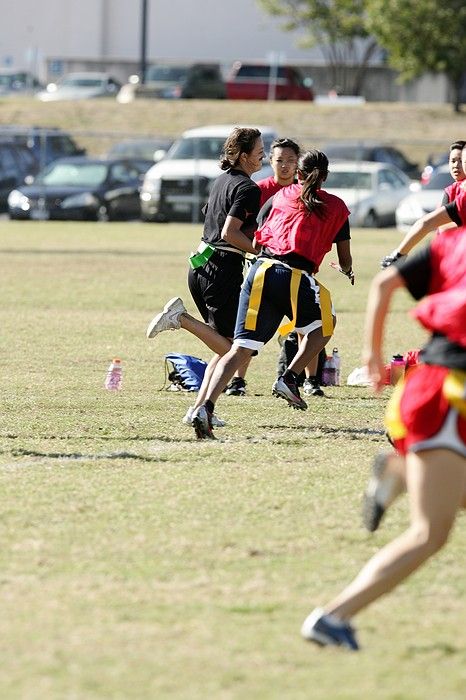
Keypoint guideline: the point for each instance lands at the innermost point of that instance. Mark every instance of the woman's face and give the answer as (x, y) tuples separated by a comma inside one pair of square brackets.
[(284, 162), (456, 168), (252, 162)]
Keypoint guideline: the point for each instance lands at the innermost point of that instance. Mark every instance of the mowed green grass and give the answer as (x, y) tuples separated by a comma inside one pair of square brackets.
[(139, 563)]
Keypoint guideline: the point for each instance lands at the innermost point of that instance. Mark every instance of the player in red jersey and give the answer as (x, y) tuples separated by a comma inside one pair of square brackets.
[(426, 420), (303, 223), (457, 164), (456, 171)]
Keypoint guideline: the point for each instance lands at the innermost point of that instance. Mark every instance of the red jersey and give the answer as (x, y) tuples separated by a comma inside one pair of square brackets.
[(291, 228), (268, 187), (444, 309), (452, 190)]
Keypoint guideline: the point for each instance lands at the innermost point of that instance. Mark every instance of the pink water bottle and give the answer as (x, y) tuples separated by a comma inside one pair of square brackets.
[(114, 378), (329, 371), (397, 369), (337, 363)]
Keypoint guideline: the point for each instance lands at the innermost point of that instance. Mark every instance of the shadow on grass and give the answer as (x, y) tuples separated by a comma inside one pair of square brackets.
[(326, 430)]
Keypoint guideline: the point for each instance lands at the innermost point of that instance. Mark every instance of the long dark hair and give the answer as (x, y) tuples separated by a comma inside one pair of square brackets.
[(241, 140), (312, 169)]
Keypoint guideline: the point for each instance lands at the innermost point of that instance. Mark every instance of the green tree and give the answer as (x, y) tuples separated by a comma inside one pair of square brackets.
[(421, 36), (338, 29)]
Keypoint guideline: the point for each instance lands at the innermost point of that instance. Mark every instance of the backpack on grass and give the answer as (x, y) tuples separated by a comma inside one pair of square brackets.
[(186, 374)]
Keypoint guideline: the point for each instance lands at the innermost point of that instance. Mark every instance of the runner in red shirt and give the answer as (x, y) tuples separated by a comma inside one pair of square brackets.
[(426, 420)]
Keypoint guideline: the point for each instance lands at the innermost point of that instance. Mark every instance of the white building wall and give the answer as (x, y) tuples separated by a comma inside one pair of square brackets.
[(218, 30)]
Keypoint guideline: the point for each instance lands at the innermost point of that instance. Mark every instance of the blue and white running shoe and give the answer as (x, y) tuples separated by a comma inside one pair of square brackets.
[(326, 630)]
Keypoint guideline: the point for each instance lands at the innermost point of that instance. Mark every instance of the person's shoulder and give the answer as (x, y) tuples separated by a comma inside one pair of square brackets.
[(333, 199), (265, 182)]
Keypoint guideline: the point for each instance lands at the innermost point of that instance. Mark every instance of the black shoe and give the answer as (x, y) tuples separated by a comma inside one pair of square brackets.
[(237, 387), (285, 387), (311, 387)]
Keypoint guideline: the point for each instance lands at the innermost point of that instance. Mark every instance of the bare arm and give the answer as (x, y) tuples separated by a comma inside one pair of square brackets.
[(344, 255), (231, 233), (421, 228), (380, 293)]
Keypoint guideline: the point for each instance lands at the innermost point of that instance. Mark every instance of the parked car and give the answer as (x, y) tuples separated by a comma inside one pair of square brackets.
[(178, 187), (262, 81), (371, 191), (81, 86), (18, 82), (371, 151), (16, 164), (81, 188), (151, 149), (426, 199), (46, 144), (200, 81)]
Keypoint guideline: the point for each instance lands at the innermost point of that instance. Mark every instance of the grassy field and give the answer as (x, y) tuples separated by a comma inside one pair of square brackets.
[(137, 563), (418, 130)]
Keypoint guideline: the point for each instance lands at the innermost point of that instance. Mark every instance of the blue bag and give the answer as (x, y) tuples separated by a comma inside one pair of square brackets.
[(188, 371)]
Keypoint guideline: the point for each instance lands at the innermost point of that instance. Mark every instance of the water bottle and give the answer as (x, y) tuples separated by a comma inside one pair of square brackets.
[(397, 369), (114, 377), (329, 371), (337, 363)]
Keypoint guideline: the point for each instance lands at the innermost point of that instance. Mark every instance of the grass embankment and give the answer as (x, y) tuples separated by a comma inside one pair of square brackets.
[(418, 129)]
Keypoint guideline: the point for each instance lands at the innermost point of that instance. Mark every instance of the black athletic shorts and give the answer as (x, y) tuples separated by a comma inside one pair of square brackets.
[(215, 288)]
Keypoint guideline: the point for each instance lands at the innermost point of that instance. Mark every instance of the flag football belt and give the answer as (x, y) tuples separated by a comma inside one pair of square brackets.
[(205, 251), (256, 296)]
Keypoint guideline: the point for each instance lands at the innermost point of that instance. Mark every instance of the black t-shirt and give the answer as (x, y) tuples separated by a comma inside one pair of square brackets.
[(416, 270), (233, 194)]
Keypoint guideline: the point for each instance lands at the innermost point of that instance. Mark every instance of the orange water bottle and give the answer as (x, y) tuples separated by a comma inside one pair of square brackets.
[(397, 369)]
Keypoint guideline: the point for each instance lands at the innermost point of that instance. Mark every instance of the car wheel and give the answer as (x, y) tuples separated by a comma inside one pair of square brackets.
[(102, 213), (371, 220)]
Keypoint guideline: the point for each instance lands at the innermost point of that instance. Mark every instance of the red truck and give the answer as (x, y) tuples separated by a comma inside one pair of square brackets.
[(263, 81)]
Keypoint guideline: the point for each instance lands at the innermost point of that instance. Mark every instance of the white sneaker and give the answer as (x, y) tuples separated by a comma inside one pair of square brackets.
[(168, 319), (215, 420)]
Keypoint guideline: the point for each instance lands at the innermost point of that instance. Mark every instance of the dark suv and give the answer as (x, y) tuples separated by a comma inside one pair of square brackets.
[(46, 144), (16, 163), (198, 81)]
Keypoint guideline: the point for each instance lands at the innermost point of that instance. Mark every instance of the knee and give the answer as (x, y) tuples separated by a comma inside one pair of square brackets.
[(430, 536)]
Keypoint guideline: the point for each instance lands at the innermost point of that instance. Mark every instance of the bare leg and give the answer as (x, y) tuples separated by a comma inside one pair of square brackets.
[(436, 482), (225, 369), (309, 349), (212, 338), (310, 370), (201, 395)]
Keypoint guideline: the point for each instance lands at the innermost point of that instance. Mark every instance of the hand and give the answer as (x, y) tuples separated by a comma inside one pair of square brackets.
[(349, 273), (390, 259), (376, 370)]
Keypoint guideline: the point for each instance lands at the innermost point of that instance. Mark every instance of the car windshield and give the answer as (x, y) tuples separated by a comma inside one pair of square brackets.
[(438, 181), (348, 181), (81, 82), (74, 175), (166, 74), (202, 147)]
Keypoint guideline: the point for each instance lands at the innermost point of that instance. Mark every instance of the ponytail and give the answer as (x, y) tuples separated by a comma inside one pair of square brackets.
[(313, 169)]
